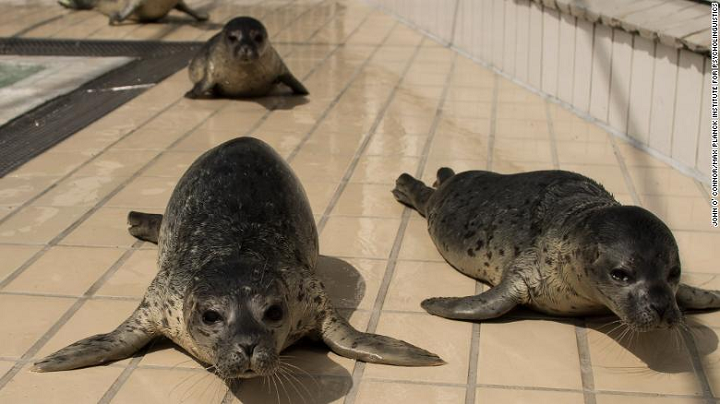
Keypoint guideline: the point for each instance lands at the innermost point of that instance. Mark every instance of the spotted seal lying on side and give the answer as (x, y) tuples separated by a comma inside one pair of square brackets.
[(239, 61), (236, 285), (140, 10), (556, 242)]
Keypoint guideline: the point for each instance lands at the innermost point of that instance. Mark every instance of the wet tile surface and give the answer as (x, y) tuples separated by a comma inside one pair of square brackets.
[(384, 100)]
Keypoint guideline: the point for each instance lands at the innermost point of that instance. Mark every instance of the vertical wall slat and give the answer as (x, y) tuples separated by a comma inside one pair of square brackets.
[(601, 65), (641, 81), (498, 10), (510, 37), (566, 57), (687, 107), (622, 53), (535, 54), (551, 30), (522, 48), (583, 64), (663, 100), (487, 33)]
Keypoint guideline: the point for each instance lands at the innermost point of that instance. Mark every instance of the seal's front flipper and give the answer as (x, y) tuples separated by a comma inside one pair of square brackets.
[(490, 304), (295, 85), (121, 343), (122, 15), (412, 192), (145, 226), (200, 88), (198, 15), (690, 297), (346, 341)]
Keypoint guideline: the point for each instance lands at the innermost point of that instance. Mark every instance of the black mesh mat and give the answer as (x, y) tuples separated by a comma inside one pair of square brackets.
[(39, 129)]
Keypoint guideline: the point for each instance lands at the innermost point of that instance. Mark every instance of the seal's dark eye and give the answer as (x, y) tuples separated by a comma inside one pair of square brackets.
[(258, 38), (211, 317), (621, 275), (274, 313), (674, 273), (233, 37)]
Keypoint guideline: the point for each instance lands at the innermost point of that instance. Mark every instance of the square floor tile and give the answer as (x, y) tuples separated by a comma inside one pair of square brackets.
[(145, 193), (649, 365), (94, 317), (372, 392), (368, 200), (421, 330), (531, 353), (417, 244), (107, 227), (358, 237), (133, 277), (511, 396), (415, 281), (116, 163), (351, 283), (65, 270), (15, 191), (14, 256), (381, 170), (21, 331), (190, 386), (81, 386), (38, 225), (80, 191)]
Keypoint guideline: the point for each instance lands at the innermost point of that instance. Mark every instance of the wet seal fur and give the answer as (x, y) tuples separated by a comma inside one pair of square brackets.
[(239, 61), (140, 10), (556, 242), (236, 284)]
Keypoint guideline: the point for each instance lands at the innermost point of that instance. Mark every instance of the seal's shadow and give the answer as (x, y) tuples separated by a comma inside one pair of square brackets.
[(280, 98), (611, 347), (314, 378)]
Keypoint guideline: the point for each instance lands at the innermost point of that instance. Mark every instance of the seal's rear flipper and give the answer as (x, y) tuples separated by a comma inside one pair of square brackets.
[(412, 192), (145, 226), (121, 343), (443, 174), (346, 341), (690, 297)]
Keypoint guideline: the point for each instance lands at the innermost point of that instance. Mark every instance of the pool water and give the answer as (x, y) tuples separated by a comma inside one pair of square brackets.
[(11, 73)]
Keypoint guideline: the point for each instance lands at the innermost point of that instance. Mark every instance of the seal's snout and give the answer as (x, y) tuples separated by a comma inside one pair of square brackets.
[(246, 53), (247, 348)]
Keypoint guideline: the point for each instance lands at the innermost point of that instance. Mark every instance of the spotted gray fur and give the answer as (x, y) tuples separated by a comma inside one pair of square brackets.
[(236, 284), (140, 10), (239, 61), (554, 241)]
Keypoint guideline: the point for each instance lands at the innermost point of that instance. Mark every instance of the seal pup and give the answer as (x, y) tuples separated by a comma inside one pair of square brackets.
[(140, 10), (554, 241), (236, 285), (239, 61)]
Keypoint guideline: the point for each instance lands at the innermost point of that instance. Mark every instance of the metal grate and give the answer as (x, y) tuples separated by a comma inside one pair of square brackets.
[(30, 134)]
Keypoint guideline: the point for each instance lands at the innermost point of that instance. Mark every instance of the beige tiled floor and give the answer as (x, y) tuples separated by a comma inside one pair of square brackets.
[(384, 99)]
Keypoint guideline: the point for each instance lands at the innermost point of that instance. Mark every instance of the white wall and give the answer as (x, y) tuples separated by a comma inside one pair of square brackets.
[(648, 91)]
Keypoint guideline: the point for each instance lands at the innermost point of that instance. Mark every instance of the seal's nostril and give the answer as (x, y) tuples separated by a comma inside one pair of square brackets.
[(247, 348), (659, 308)]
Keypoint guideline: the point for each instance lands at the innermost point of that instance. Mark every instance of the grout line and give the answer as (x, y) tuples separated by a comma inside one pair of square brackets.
[(35, 348), (553, 141), (121, 379), (454, 22), (472, 384), (335, 100), (586, 372), (359, 369), (493, 123), (366, 140), (626, 174), (697, 365)]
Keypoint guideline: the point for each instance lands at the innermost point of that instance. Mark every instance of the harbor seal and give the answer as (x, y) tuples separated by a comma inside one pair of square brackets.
[(554, 241), (140, 10), (236, 285), (239, 61)]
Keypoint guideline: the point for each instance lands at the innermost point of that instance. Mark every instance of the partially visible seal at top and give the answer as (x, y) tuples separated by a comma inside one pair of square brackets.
[(240, 62), (140, 10), (554, 241), (236, 284)]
